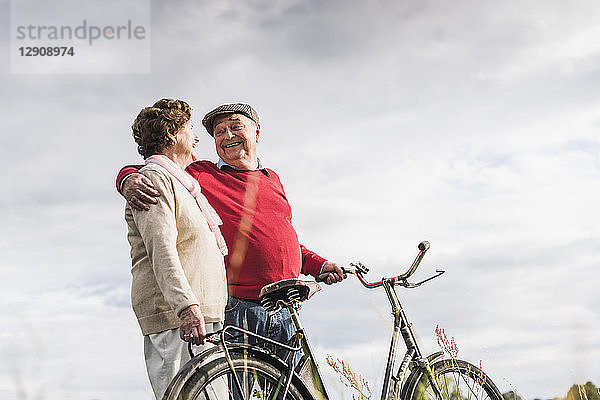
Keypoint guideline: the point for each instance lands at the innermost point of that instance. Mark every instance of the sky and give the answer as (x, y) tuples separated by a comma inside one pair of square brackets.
[(470, 124)]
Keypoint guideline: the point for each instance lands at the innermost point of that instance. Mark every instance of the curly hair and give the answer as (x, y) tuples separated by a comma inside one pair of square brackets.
[(155, 127)]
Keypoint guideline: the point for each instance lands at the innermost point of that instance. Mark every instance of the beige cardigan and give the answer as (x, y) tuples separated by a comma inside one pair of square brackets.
[(175, 258)]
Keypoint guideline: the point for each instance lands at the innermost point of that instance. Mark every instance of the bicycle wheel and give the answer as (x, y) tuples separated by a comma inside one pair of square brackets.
[(258, 379), (457, 380)]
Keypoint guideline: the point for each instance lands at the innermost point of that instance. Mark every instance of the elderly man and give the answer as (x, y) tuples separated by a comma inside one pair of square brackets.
[(249, 198)]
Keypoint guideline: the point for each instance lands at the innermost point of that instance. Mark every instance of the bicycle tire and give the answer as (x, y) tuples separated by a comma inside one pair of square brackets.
[(215, 381), (457, 380)]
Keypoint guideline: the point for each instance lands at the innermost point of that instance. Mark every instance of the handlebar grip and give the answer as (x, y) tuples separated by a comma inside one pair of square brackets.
[(322, 277), (424, 245)]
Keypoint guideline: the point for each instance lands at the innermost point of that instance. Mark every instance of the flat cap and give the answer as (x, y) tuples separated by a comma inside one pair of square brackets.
[(234, 108)]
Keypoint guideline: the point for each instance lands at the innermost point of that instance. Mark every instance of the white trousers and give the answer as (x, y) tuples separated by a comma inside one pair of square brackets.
[(166, 353)]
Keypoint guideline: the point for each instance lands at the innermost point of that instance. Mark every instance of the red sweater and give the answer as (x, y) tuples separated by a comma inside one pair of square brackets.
[(257, 226)]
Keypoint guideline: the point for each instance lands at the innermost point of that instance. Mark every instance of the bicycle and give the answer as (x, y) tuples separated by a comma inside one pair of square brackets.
[(255, 368)]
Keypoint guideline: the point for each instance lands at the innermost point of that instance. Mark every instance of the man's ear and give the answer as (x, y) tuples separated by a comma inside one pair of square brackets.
[(257, 132)]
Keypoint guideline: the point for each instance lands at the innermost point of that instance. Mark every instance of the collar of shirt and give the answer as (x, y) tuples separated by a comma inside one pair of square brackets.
[(221, 164)]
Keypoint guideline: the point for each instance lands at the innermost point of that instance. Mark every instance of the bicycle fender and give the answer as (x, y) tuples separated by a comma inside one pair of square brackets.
[(188, 369), (185, 373)]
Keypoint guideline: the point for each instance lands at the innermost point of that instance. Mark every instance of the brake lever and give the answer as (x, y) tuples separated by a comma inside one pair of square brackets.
[(360, 268), (409, 285)]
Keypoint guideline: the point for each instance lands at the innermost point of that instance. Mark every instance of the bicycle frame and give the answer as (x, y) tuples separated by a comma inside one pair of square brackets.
[(307, 368), (413, 353)]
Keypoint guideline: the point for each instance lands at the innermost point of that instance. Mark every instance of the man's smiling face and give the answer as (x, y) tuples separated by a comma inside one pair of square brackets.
[(236, 137)]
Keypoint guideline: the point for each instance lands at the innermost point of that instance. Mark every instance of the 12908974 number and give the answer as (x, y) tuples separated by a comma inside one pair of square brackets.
[(46, 51)]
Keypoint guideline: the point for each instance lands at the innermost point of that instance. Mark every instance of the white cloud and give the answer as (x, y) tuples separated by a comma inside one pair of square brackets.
[(472, 125)]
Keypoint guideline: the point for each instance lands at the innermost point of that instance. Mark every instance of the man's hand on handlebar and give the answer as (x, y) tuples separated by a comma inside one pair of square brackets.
[(331, 273), (139, 192)]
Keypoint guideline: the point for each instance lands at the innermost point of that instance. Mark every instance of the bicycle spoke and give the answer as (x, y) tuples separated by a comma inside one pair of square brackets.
[(266, 390), (456, 386), (475, 383), (457, 378), (446, 388)]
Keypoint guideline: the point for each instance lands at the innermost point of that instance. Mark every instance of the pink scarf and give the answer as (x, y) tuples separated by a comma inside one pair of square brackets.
[(192, 185)]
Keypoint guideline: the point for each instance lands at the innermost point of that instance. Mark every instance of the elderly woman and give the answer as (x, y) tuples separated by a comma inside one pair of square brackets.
[(179, 287)]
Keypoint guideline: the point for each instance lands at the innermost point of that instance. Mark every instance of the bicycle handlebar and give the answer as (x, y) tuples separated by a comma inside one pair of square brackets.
[(360, 270)]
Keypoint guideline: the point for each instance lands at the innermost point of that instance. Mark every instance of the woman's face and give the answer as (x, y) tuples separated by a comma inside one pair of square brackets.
[(186, 139)]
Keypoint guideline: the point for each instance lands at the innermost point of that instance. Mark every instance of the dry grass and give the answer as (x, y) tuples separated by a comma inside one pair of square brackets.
[(350, 378)]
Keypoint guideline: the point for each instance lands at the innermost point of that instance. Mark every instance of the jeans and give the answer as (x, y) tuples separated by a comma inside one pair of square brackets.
[(254, 318)]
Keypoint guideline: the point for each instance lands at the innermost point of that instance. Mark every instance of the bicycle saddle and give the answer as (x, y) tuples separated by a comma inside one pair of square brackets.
[(281, 290)]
